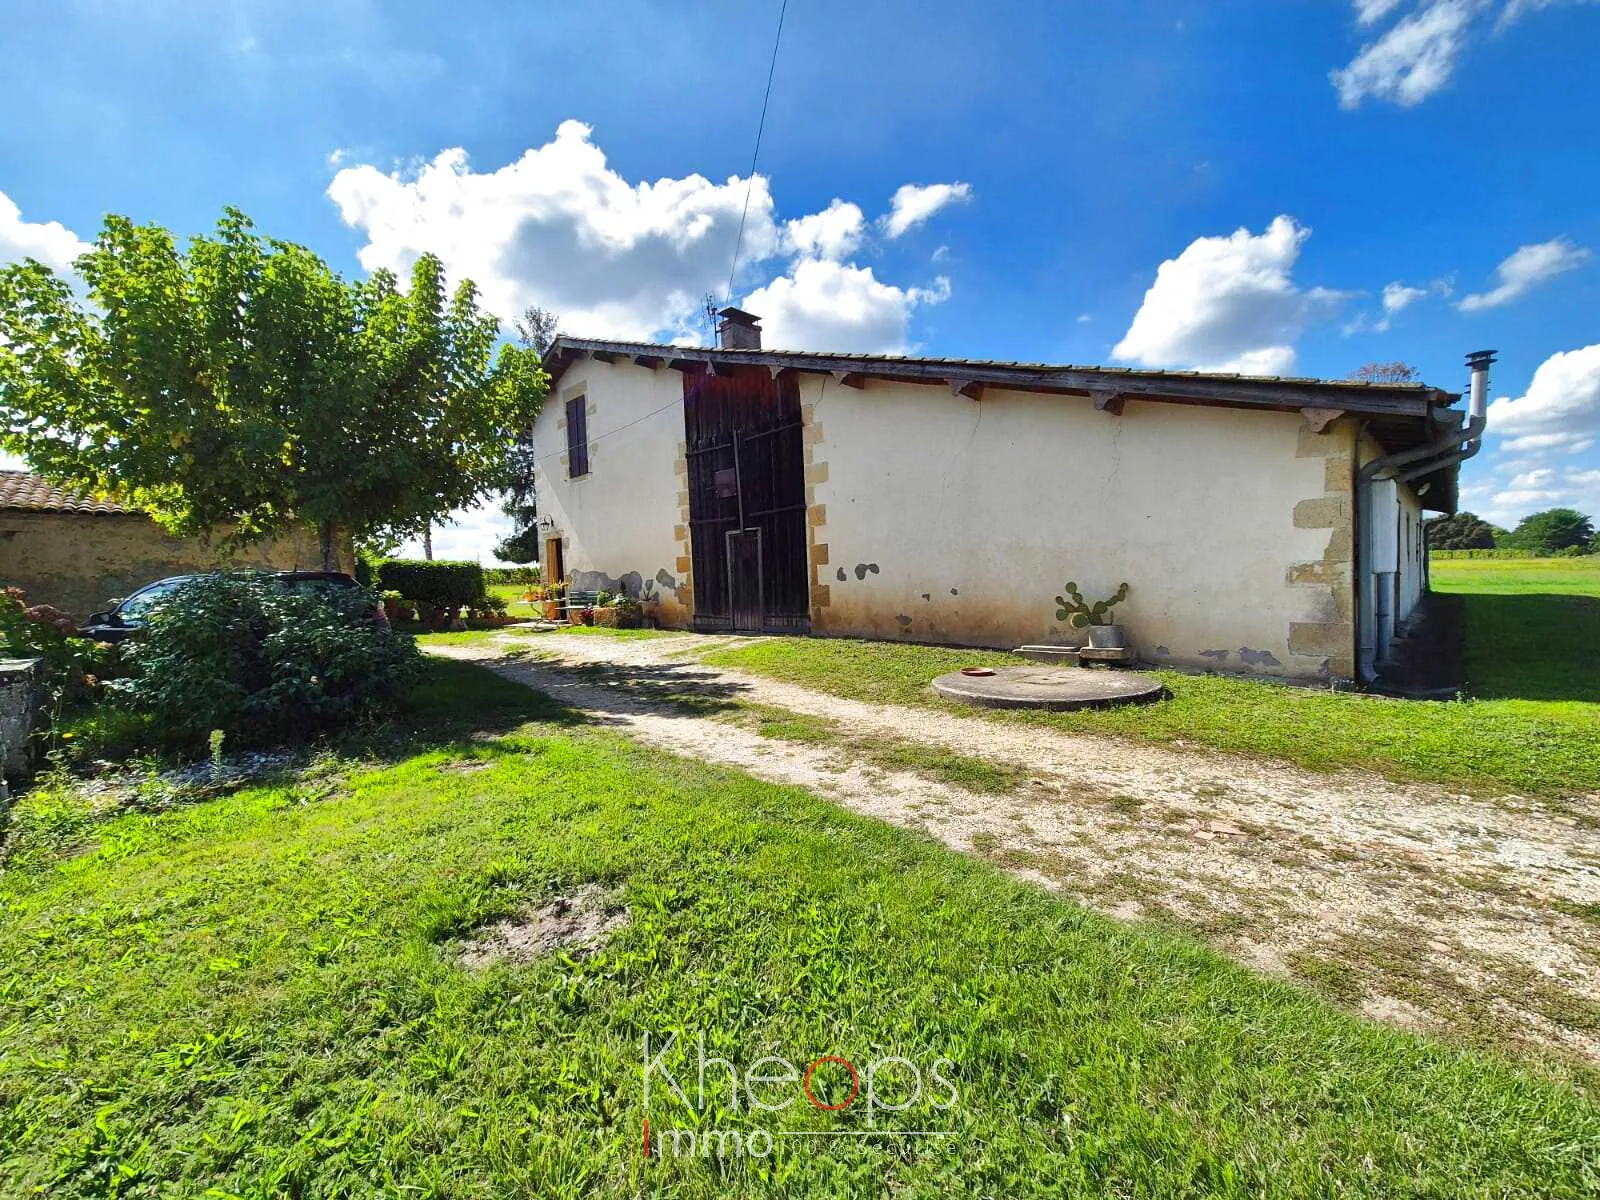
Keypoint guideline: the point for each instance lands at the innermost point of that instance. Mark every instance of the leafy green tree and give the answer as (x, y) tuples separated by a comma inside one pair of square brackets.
[(1462, 531), (1551, 530), (243, 388), (536, 329)]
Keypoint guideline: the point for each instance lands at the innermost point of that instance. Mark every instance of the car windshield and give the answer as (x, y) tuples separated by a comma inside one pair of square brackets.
[(137, 606)]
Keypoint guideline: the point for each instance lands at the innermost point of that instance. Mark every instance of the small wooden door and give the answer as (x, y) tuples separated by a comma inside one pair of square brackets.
[(552, 556), (745, 601)]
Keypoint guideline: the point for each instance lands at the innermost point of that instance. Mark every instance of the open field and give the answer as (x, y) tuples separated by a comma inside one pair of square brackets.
[(1532, 626), (262, 994)]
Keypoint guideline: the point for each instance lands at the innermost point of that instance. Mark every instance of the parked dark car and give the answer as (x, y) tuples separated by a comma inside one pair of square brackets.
[(126, 617)]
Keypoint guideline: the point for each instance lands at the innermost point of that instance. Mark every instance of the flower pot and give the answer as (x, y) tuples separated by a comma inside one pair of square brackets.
[(551, 610), (1107, 637)]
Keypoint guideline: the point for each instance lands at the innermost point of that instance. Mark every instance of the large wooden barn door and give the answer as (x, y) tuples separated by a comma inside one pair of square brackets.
[(747, 502)]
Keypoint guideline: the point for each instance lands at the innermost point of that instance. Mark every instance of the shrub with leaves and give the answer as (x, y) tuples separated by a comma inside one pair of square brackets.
[(435, 586), (42, 631), (263, 663)]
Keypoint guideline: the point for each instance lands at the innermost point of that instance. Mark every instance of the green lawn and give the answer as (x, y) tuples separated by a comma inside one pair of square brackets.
[(511, 593), (1532, 625), (1542, 746), (256, 996)]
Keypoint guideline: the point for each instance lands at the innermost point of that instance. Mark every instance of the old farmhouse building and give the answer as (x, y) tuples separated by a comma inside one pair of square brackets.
[(1271, 526)]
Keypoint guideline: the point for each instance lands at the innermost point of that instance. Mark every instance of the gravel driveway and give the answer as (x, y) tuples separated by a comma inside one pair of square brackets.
[(1419, 906)]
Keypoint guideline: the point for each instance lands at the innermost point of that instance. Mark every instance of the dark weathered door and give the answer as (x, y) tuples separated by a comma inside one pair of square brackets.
[(744, 580), (747, 477)]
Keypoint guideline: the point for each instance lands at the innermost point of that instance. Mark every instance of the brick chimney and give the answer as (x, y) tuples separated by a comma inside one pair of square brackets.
[(738, 330)]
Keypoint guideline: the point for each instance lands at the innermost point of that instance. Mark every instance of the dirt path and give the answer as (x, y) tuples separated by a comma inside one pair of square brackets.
[(1416, 905)]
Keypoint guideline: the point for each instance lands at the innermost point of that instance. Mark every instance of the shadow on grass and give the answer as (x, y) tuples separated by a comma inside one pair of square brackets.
[(1532, 646), (610, 690)]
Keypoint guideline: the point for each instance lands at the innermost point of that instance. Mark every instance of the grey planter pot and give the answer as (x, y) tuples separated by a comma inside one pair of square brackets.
[(1107, 637)]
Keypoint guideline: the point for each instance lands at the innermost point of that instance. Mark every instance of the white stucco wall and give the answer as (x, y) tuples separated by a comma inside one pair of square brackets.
[(623, 516), (1393, 560), (945, 519)]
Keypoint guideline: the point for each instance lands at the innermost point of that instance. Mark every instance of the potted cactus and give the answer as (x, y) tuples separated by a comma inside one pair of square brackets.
[(1095, 618)]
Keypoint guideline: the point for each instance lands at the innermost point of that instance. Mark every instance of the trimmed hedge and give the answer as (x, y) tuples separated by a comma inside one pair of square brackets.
[(435, 585), (511, 574), (1570, 552)]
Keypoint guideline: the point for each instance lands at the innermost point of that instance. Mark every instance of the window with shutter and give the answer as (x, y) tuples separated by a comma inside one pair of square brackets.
[(577, 438)]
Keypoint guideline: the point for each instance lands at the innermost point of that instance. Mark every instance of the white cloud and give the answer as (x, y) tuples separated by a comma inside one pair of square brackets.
[(561, 229), (1506, 503), (1559, 411), (832, 233), (1226, 304), (469, 534), (51, 242), (1515, 9), (1412, 60), (1525, 269), (1396, 298), (914, 203), (825, 305), (1542, 477), (1370, 12)]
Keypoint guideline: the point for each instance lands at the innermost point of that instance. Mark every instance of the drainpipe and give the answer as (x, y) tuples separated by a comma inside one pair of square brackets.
[(1477, 417), (1456, 446), (1457, 439)]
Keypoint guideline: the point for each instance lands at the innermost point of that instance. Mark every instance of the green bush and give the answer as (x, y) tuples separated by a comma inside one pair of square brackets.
[(437, 586), (41, 631), (263, 663), (511, 574)]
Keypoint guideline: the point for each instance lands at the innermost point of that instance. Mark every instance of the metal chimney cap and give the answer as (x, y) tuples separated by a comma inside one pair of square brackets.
[(1480, 360), (739, 317)]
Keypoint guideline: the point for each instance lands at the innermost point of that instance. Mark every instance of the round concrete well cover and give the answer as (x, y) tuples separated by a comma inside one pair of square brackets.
[(1056, 688)]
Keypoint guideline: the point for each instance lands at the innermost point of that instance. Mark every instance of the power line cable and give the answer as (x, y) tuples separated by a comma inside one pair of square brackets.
[(761, 125)]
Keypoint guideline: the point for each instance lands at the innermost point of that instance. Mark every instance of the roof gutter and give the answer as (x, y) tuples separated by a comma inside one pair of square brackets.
[(1478, 418)]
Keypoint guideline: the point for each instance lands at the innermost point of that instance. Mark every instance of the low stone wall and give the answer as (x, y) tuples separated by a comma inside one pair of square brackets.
[(21, 693), (78, 561)]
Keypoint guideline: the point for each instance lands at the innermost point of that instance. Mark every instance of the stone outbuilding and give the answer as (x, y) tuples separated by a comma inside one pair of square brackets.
[(76, 552), (1264, 525)]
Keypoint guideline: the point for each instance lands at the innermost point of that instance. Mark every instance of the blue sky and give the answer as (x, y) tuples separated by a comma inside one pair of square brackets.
[(1293, 187)]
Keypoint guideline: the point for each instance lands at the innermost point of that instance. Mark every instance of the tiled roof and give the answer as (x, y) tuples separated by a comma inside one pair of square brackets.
[(33, 493), (1343, 393)]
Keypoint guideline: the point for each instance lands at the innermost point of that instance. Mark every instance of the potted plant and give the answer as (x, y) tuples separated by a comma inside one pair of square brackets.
[(605, 610), (397, 608), (630, 613), (550, 606), (1095, 618)]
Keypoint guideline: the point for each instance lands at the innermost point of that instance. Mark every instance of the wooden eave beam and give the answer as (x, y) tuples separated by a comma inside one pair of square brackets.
[(849, 379), (972, 389), (1281, 396)]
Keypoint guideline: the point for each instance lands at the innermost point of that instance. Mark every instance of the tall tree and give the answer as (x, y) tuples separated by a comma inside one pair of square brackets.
[(1462, 531), (536, 329), (1551, 530), (242, 388)]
